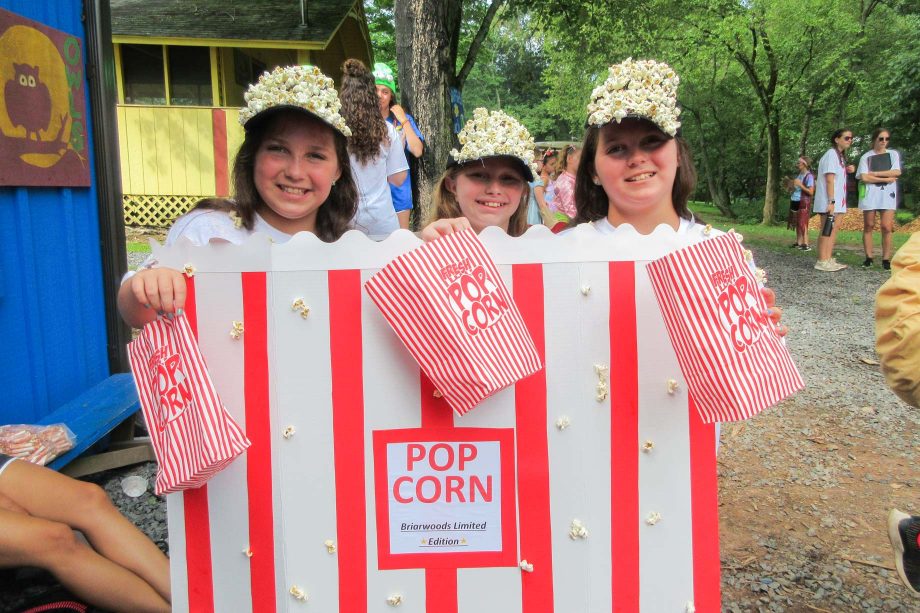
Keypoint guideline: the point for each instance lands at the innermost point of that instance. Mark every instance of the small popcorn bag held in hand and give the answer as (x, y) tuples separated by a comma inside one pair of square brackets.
[(733, 360), (193, 436), (450, 308)]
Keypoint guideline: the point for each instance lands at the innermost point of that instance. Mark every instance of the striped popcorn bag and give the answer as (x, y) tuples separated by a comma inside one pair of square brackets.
[(192, 434), (449, 306), (734, 362)]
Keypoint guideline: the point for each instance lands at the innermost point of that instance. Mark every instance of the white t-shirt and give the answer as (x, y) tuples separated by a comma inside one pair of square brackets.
[(879, 196), (696, 232), (830, 164), (376, 216), (204, 225)]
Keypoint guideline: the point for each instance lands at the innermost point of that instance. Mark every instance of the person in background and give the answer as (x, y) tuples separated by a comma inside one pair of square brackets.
[(564, 196), (831, 197), (897, 340), (800, 204), (375, 149), (880, 176), (411, 136), (537, 208), (119, 570)]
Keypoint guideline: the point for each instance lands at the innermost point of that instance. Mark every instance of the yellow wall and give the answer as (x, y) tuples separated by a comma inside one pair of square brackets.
[(166, 150)]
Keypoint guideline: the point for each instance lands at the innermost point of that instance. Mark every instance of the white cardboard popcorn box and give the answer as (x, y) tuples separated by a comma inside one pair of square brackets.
[(587, 487)]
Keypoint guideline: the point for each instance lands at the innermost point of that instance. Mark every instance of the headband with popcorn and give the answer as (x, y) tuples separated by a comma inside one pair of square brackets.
[(637, 88), (492, 134), (304, 88)]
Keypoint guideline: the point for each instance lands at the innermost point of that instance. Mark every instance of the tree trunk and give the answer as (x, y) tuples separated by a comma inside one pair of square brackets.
[(715, 178), (806, 124), (774, 163), (425, 30)]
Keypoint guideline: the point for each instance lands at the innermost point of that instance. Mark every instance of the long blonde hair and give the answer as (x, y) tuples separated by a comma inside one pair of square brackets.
[(444, 203)]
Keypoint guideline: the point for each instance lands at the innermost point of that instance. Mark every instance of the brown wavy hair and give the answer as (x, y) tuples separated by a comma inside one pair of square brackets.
[(444, 203), (591, 200), (334, 214), (361, 110)]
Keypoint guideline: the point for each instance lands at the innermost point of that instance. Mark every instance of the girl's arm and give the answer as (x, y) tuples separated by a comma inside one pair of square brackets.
[(151, 291), (397, 178), (443, 227), (541, 201), (829, 183), (415, 144), (879, 177)]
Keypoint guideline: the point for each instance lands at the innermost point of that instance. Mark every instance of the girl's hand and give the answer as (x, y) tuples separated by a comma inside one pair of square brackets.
[(773, 312), (399, 113), (161, 290), (443, 227)]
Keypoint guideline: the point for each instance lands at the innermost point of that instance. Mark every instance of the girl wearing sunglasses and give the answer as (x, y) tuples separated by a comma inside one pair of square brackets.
[(879, 169), (831, 197)]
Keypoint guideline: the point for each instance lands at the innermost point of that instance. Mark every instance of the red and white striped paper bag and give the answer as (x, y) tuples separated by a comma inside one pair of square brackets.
[(192, 434), (449, 306), (735, 363)]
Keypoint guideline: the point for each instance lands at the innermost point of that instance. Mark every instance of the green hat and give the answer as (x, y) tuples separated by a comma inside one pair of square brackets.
[(383, 75)]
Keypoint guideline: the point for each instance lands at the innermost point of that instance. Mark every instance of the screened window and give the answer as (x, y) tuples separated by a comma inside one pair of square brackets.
[(189, 76), (142, 74)]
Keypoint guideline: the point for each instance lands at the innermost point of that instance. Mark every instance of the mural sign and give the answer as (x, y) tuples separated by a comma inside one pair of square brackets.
[(42, 106)]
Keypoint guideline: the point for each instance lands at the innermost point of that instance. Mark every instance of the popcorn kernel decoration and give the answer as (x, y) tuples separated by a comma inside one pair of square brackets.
[(673, 386), (395, 600), (738, 237), (237, 330), (653, 518), (637, 88), (690, 608), (603, 382), (330, 546), (647, 446), (491, 133), (305, 87), (748, 255), (298, 594), (237, 220), (585, 290), (563, 422), (708, 229), (189, 270), (761, 275), (299, 306), (578, 530), (247, 552), (526, 566), (288, 432)]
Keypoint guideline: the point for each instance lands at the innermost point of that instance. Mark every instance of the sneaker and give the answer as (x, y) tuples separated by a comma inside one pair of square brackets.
[(886, 264), (795, 246), (904, 534), (805, 247), (867, 263), (823, 265), (838, 265)]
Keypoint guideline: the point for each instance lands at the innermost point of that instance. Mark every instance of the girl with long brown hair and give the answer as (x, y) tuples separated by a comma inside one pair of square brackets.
[(375, 149)]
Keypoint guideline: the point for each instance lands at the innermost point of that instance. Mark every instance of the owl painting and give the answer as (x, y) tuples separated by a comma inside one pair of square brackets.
[(28, 101)]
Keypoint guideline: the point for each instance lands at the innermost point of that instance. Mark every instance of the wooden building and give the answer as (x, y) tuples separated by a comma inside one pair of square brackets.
[(182, 69)]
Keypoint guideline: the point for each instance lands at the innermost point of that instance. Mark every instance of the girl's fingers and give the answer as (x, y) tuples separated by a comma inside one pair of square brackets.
[(152, 292), (179, 292), (769, 296)]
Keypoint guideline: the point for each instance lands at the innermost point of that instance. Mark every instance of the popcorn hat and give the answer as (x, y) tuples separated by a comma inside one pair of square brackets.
[(302, 88), (492, 134), (383, 75), (637, 88)]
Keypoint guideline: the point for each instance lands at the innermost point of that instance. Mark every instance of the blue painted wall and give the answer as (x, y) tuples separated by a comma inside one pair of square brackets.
[(52, 316)]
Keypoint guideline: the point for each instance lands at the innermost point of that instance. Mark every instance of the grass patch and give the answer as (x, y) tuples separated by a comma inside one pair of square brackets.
[(848, 248), (138, 247)]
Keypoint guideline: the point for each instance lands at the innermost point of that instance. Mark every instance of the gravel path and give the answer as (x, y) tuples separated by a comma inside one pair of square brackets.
[(804, 487)]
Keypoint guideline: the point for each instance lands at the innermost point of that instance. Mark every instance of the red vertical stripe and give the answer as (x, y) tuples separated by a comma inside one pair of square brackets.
[(533, 450), (624, 437), (348, 429), (258, 429), (440, 583), (221, 166), (705, 509), (197, 522)]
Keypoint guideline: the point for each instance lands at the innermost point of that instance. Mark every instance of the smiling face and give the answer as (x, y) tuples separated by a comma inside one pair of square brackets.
[(636, 164), (488, 192), (295, 167)]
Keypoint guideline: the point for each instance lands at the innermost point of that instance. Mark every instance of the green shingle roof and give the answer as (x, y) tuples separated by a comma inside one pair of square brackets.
[(276, 20)]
